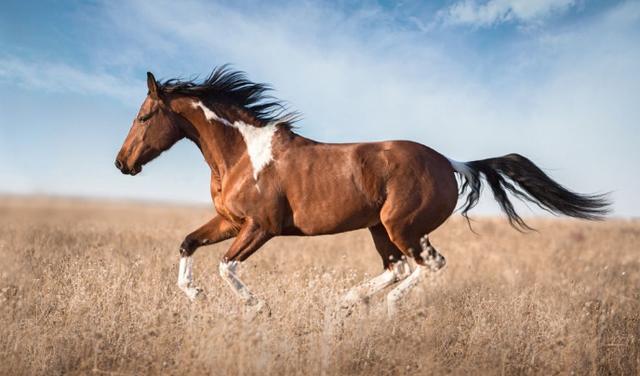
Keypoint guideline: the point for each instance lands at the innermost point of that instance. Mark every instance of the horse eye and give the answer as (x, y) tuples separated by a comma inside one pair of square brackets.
[(146, 117)]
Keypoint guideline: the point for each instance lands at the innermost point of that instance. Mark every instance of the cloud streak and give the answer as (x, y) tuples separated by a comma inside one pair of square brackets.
[(61, 77), (492, 12)]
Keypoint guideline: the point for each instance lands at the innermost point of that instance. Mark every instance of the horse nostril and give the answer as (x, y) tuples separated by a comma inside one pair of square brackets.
[(118, 165)]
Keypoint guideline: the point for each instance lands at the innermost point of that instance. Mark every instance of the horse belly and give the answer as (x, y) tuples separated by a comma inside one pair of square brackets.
[(326, 219), (332, 207)]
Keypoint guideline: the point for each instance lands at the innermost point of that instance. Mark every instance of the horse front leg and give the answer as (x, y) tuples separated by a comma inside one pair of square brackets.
[(214, 231), (249, 239)]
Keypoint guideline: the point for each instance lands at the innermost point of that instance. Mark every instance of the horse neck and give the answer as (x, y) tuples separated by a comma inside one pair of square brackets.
[(221, 145)]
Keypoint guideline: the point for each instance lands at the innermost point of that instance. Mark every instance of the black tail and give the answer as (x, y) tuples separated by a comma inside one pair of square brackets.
[(531, 184)]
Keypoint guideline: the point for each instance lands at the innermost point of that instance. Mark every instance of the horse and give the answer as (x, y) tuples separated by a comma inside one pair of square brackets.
[(267, 181)]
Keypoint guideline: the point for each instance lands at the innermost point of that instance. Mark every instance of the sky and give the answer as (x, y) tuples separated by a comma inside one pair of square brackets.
[(555, 80)]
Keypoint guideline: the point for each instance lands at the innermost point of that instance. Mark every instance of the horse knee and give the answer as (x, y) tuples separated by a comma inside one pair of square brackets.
[(188, 246)]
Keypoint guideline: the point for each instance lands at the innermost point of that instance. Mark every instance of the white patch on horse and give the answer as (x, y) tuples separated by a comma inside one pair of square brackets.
[(209, 114), (461, 168), (257, 139)]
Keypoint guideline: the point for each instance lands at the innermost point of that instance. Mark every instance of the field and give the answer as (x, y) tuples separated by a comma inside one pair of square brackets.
[(90, 287)]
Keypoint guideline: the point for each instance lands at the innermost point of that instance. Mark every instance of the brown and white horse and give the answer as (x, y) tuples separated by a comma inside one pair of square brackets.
[(267, 181)]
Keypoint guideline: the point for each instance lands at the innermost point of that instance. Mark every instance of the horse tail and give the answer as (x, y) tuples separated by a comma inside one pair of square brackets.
[(523, 179)]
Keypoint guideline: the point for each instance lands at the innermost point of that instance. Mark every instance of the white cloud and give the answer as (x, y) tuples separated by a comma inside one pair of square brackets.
[(60, 77), (475, 13)]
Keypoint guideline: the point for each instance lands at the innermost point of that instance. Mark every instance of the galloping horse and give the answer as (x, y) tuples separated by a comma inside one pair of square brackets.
[(267, 181)]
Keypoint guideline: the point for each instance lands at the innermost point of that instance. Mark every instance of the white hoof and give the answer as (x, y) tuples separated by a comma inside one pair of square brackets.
[(256, 307), (350, 299), (392, 306), (192, 292)]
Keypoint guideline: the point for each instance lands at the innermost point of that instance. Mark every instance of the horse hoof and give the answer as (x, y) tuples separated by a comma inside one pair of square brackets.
[(350, 300), (256, 308), (194, 293), (392, 309)]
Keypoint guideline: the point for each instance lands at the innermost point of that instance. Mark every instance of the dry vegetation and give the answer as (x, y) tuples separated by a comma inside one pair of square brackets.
[(90, 287)]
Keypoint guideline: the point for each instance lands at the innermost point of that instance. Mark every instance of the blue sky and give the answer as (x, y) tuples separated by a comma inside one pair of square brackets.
[(555, 80)]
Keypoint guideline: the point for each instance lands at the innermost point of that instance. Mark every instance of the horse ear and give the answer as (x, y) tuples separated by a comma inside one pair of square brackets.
[(154, 91)]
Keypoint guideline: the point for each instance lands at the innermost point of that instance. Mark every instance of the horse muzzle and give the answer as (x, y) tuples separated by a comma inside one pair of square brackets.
[(126, 170)]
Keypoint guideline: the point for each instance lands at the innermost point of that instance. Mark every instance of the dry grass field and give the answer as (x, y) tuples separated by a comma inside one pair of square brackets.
[(90, 287)]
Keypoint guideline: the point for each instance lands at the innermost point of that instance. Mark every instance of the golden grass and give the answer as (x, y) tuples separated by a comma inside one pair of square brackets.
[(90, 287)]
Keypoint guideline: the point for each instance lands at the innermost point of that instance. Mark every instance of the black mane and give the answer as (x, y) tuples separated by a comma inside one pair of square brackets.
[(230, 87)]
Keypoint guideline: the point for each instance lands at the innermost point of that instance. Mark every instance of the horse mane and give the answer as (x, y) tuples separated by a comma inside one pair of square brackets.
[(232, 87)]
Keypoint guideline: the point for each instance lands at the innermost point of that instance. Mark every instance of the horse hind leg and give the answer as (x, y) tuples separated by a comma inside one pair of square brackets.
[(395, 265), (388, 251), (361, 293), (427, 259)]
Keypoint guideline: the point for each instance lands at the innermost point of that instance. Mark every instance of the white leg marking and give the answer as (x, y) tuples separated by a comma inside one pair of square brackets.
[(257, 139), (185, 278), (397, 293), (399, 271), (228, 273)]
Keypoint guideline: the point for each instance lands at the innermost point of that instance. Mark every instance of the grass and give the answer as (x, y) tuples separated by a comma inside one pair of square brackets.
[(90, 287)]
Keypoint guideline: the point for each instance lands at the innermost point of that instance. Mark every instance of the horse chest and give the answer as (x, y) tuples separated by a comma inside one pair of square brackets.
[(235, 205), (223, 209)]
